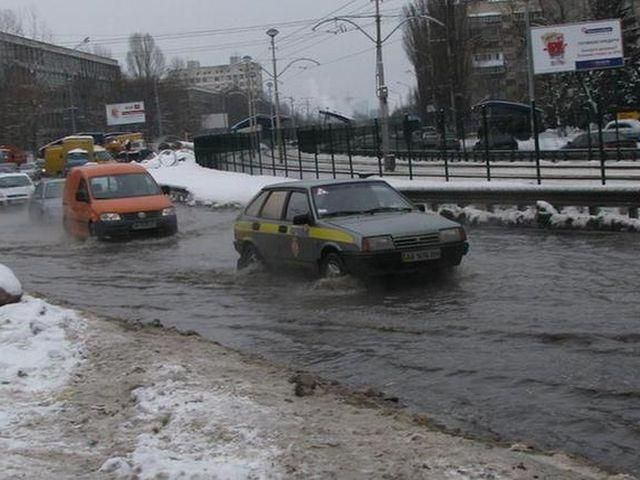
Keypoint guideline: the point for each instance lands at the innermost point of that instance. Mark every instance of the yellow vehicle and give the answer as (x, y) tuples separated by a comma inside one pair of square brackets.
[(124, 141), (55, 153)]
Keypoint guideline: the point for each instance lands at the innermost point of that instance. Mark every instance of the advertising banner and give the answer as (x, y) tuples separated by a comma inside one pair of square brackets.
[(125, 113), (577, 47)]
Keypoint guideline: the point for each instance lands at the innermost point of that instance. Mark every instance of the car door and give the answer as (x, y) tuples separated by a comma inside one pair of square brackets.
[(298, 248), (269, 231), (37, 200), (80, 212)]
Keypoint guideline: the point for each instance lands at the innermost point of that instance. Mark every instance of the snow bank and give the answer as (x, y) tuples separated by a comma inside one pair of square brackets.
[(36, 360), (35, 354), (542, 215), (184, 443), (8, 281), (207, 186)]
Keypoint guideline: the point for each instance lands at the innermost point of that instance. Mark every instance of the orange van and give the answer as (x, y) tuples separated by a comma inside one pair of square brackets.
[(114, 200)]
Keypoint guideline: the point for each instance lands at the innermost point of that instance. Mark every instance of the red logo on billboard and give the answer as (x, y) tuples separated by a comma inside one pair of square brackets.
[(555, 47)]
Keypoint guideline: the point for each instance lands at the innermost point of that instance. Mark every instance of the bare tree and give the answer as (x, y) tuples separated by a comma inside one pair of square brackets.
[(145, 59), (10, 22), (440, 55), (102, 51)]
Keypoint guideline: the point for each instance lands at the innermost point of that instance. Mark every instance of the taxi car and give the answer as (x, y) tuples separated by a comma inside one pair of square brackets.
[(339, 227), (113, 200)]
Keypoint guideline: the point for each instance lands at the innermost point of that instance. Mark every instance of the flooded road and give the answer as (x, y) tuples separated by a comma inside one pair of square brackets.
[(535, 338)]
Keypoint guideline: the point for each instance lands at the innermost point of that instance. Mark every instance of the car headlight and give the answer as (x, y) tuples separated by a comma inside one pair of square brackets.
[(373, 244), (110, 217), (451, 235), (167, 212)]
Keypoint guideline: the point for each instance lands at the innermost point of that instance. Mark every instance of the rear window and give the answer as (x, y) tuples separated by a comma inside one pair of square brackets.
[(15, 181), (254, 207), (54, 190), (123, 186)]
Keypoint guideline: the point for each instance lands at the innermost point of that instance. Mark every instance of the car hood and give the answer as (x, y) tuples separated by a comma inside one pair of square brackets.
[(132, 204), (395, 224)]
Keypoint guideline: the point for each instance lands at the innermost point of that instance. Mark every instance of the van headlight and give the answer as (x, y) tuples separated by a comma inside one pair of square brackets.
[(167, 212), (451, 235), (110, 217), (374, 244)]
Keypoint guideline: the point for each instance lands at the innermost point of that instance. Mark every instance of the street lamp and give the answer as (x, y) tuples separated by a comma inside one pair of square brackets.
[(382, 89), (72, 108), (273, 32)]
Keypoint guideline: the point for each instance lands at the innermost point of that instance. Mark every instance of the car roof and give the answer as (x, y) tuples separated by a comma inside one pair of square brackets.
[(110, 169), (307, 184)]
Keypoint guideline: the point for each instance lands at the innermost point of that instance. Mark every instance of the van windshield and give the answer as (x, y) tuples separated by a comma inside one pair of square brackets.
[(123, 186)]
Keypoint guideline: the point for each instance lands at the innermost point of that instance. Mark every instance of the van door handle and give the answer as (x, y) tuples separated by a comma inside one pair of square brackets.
[(283, 229), (255, 226)]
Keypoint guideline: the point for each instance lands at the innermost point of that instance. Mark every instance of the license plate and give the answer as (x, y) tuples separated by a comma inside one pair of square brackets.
[(421, 255), (144, 225)]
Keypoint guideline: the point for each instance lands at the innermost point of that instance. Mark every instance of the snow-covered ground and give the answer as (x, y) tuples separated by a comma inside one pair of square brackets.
[(8, 281)]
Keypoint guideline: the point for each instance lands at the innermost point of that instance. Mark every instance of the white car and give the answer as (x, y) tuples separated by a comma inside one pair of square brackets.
[(630, 128), (15, 188)]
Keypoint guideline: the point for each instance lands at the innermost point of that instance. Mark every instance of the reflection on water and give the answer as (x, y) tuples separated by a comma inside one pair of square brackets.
[(536, 337)]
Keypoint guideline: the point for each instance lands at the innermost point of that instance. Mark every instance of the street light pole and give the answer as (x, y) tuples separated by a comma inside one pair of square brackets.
[(272, 32), (383, 95)]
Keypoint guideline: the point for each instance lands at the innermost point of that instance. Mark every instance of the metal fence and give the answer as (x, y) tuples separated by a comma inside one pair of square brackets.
[(345, 151)]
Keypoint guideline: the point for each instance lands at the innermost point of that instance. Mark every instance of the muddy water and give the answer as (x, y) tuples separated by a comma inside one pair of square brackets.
[(536, 338)]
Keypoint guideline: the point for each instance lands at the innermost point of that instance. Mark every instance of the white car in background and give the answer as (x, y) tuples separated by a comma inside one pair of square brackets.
[(15, 188), (630, 128)]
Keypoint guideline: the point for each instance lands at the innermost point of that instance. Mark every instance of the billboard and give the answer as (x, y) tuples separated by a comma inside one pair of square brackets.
[(125, 113), (577, 47)]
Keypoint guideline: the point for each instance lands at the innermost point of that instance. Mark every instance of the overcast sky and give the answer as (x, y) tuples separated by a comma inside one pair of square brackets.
[(191, 29)]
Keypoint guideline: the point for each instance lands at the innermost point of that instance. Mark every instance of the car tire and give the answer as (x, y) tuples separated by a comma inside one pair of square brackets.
[(249, 257), (332, 266)]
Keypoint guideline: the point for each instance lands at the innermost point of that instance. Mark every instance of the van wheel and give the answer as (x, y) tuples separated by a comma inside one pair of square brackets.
[(92, 230), (249, 257), (332, 266)]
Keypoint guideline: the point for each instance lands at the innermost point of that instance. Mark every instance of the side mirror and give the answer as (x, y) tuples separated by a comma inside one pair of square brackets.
[(166, 190), (81, 196), (304, 219), (421, 207)]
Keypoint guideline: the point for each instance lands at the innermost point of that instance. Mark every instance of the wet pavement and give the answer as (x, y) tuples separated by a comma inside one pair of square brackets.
[(535, 338)]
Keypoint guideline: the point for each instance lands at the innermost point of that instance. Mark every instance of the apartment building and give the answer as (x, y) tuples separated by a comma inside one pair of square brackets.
[(241, 73), (47, 90)]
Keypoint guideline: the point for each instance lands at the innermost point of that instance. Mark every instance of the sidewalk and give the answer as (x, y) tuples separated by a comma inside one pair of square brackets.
[(82, 397)]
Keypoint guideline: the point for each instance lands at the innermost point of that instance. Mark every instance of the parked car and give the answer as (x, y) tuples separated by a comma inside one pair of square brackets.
[(46, 202), (631, 128), (114, 200), (610, 141), (15, 188), (432, 139), (336, 227)]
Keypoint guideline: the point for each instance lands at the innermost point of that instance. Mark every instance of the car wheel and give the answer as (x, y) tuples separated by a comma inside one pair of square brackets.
[(249, 257), (332, 266)]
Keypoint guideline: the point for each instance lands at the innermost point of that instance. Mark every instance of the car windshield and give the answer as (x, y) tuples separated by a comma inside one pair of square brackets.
[(123, 186), (54, 190), (357, 198), (15, 181)]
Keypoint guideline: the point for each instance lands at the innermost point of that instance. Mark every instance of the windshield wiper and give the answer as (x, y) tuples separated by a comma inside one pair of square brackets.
[(341, 213), (388, 209)]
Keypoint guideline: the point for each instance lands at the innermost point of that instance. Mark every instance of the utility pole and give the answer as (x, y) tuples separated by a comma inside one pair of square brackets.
[(272, 32), (532, 90), (383, 95), (158, 112)]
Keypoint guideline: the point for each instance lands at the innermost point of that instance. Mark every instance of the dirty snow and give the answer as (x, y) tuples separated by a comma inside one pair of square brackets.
[(8, 281)]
